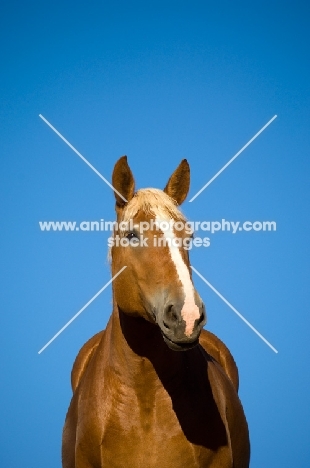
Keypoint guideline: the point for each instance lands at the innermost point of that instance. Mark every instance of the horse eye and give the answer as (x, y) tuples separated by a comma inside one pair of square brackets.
[(131, 235)]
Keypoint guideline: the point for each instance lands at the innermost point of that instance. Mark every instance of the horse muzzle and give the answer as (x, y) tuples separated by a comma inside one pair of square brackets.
[(174, 328)]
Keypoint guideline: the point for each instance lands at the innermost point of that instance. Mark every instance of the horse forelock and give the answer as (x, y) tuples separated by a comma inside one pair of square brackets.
[(152, 202)]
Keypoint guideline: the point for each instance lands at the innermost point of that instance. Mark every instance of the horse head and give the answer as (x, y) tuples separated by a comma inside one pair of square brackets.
[(152, 239)]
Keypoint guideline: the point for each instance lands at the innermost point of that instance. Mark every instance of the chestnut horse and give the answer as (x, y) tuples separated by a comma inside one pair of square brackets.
[(154, 390)]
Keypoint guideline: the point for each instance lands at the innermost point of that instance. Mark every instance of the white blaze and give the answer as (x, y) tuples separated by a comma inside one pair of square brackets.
[(190, 311)]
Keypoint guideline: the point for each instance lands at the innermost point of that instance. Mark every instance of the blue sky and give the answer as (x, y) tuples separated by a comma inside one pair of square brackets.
[(158, 81)]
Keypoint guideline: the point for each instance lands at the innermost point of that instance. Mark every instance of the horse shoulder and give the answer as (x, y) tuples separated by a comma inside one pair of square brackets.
[(216, 348), (232, 415), (83, 358)]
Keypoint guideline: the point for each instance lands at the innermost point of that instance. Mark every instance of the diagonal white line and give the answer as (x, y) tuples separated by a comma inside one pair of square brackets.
[(82, 157), (235, 310), (81, 310), (233, 158)]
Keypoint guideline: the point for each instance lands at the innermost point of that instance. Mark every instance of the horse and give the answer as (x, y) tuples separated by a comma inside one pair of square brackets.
[(154, 389)]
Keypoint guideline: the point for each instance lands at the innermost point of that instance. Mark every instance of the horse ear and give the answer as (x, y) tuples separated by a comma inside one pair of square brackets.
[(123, 182), (178, 184)]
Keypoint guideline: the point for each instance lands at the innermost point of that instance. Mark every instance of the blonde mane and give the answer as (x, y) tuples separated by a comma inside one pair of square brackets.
[(152, 202)]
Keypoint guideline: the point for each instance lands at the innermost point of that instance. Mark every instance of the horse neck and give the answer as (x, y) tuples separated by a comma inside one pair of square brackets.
[(138, 353)]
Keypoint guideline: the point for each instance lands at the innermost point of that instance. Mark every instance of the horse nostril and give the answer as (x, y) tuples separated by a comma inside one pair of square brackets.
[(174, 316), (202, 317), (171, 313), (170, 317), (166, 325)]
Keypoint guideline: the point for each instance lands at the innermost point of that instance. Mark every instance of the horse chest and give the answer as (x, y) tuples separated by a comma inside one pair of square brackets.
[(145, 426), (149, 434)]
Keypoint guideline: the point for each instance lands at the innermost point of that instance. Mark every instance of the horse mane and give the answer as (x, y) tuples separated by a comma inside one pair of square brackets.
[(152, 202)]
